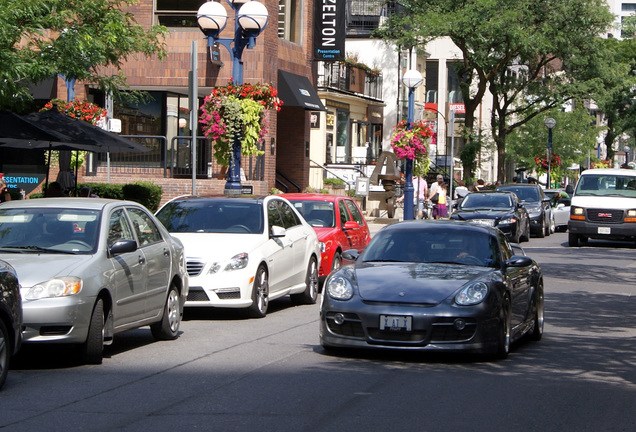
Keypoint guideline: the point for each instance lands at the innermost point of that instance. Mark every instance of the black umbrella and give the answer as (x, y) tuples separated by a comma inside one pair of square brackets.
[(83, 133)]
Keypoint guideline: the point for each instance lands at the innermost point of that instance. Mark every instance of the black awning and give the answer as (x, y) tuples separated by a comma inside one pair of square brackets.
[(296, 90)]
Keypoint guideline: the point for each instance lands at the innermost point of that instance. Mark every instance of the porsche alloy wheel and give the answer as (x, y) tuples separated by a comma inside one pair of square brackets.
[(537, 312), (503, 348)]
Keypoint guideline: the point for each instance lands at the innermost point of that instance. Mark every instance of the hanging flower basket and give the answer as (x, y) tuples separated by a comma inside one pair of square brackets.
[(237, 109), (87, 111), (542, 161), (413, 143)]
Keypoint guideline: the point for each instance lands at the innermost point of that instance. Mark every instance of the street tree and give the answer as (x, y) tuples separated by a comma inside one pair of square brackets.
[(617, 99), (514, 48), (41, 39), (573, 141)]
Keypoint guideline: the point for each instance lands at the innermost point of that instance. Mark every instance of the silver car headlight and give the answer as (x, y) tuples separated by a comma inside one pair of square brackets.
[(533, 211), (58, 287), (339, 288), (237, 262), (472, 294)]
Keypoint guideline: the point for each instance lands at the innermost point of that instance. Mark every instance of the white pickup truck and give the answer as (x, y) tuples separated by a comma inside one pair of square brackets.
[(603, 206)]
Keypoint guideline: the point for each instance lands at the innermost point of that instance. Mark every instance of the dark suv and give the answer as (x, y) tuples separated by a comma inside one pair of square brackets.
[(10, 317), (537, 204)]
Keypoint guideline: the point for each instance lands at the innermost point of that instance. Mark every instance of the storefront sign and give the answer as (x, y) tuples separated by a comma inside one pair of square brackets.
[(315, 119), (22, 181), (329, 30)]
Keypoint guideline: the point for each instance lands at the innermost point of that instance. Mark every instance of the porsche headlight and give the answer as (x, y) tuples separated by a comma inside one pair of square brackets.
[(58, 287), (472, 294), (237, 262), (339, 288)]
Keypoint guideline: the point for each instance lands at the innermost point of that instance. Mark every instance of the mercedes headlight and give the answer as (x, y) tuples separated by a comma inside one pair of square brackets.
[(237, 262), (472, 294), (58, 287), (339, 288)]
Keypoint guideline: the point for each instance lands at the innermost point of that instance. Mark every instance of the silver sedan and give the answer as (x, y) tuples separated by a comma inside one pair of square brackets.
[(91, 268)]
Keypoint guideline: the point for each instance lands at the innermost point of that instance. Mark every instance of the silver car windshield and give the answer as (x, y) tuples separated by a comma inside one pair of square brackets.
[(53, 230), (437, 245)]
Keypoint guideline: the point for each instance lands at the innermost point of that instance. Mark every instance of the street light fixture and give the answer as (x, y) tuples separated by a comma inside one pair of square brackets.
[(250, 19), (411, 79), (550, 123)]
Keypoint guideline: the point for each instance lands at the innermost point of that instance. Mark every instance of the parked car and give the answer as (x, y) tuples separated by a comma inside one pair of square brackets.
[(603, 206), (433, 285), (338, 222), (242, 252), (560, 202), (537, 204), (10, 318), (503, 210), (91, 268)]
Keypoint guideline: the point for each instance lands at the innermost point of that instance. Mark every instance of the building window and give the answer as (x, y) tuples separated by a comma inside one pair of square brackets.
[(289, 20), (177, 13)]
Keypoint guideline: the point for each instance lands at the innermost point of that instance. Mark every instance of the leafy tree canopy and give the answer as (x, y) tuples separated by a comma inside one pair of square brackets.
[(39, 39)]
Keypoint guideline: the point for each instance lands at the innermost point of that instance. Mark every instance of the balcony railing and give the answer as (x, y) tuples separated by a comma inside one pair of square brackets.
[(339, 76)]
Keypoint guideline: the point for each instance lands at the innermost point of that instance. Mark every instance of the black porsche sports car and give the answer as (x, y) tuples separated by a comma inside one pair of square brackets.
[(435, 285), (503, 210)]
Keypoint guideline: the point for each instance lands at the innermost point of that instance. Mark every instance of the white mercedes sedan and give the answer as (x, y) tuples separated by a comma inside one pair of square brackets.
[(242, 252)]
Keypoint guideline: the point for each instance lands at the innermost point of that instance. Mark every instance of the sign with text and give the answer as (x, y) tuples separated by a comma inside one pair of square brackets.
[(329, 30)]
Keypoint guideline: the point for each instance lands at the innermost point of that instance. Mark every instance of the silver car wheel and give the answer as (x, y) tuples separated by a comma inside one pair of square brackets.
[(260, 294)]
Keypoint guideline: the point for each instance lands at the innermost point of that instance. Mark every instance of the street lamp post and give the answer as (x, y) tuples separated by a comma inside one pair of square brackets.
[(550, 123), (250, 18), (626, 149), (411, 79)]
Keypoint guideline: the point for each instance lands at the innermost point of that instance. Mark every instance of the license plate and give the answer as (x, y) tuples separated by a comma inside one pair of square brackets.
[(604, 230), (487, 222), (395, 323)]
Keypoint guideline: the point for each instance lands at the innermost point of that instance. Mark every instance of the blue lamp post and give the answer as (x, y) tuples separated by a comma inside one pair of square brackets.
[(411, 79), (250, 19), (550, 123)]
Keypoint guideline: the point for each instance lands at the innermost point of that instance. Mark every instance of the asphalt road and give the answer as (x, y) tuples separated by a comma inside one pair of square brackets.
[(227, 373)]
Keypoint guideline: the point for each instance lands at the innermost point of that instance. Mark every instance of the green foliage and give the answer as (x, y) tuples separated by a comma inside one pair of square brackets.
[(333, 181), (105, 190), (531, 56), (145, 193), (40, 39), (573, 139)]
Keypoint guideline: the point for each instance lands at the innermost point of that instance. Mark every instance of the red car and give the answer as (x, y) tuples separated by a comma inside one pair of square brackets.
[(338, 222)]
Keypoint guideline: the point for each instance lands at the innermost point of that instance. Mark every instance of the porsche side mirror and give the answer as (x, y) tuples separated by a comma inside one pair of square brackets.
[(519, 261), (350, 254)]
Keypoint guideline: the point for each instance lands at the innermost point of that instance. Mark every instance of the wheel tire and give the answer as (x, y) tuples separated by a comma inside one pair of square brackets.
[(526, 236), (5, 352), (336, 263), (548, 226), (537, 311), (503, 346), (310, 294), (92, 351), (573, 240), (168, 327), (260, 294), (541, 232)]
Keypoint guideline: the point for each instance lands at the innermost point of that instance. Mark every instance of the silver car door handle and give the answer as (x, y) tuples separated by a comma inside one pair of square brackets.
[(166, 252), (142, 260)]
